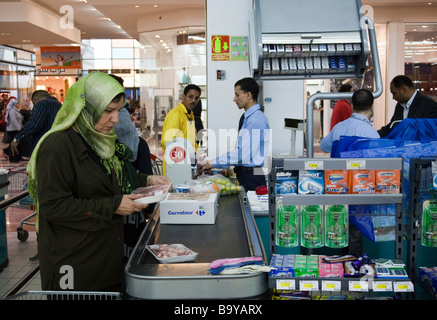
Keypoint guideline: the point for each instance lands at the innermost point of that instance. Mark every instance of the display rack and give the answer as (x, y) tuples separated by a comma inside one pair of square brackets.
[(420, 190), (337, 284)]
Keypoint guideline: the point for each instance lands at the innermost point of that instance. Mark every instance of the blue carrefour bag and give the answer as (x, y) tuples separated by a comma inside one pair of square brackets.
[(418, 130)]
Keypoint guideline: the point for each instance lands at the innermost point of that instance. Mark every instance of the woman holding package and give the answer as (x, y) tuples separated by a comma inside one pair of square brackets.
[(78, 176)]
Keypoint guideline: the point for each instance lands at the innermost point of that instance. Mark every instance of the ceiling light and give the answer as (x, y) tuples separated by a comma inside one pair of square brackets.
[(157, 36), (26, 40), (155, 6), (136, 6)]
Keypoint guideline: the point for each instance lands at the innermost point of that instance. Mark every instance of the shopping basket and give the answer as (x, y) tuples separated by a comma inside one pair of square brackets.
[(65, 295)]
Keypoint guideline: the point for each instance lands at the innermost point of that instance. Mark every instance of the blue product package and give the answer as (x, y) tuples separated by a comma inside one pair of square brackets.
[(286, 182), (311, 182)]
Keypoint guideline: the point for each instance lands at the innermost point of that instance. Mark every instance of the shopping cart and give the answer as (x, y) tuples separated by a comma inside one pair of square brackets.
[(17, 177), (156, 165), (65, 295)]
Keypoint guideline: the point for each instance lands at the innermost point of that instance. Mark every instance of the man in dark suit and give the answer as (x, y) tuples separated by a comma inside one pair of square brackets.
[(411, 103)]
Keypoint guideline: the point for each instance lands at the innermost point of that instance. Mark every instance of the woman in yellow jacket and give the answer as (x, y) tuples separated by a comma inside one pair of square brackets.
[(179, 122)]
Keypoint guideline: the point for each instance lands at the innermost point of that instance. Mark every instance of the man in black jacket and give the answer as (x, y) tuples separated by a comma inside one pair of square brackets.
[(411, 103)]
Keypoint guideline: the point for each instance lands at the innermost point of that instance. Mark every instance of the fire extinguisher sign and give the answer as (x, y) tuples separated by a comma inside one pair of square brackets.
[(220, 48)]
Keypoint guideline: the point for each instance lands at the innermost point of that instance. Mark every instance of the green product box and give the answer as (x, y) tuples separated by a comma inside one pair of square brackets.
[(429, 223), (287, 222), (312, 226), (336, 226)]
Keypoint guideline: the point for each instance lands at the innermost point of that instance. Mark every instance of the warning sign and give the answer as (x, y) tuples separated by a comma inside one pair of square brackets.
[(220, 48)]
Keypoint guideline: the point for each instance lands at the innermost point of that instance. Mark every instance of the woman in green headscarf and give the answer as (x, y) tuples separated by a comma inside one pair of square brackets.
[(78, 182)]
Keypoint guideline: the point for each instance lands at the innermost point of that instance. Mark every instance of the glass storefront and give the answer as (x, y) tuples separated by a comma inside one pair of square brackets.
[(421, 56), (17, 73)]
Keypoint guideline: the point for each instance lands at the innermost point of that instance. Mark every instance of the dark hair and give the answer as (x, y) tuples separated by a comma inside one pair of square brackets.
[(40, 94), (402, 81), (249, 85), (119, 79), (362, 100), (345, 88), (118, 97), (191, 87)]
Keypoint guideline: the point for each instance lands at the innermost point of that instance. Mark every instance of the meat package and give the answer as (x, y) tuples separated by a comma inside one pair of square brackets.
[(171, 253), (153, 193)]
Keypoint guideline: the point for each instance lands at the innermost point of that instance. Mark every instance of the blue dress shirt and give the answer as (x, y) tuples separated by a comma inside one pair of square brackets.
[(356, 125), (252, 142)]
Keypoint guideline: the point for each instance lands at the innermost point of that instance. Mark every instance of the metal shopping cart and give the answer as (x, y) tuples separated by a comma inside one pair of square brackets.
[(17, 177), (65, 295), (156, 165)]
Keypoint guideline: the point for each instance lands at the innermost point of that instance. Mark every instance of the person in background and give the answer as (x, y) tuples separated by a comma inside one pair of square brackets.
[(77, 176), (342, 109), (253, 139), (13, 125), (198, 119), (45, 108), (179, 122), (357, 125), (140, 159), (410, 103)]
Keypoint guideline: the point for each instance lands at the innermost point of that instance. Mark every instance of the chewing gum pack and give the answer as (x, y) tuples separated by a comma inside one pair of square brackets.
[(362, 181), (388, 181), (336, 181)]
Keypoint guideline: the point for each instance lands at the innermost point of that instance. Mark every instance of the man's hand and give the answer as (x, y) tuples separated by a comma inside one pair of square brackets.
[(204, 166), (14, 148)]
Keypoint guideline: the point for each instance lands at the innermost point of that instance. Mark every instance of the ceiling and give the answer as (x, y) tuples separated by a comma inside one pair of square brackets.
[(96, 19), (116, 19)]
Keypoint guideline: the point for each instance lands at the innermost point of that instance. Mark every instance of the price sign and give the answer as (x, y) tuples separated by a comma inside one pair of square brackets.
[(313, 165), (285, 284), (177, 154), (329, 285), (382, 286), (356, 164), (305, 285), (403, 286), (360, 286)]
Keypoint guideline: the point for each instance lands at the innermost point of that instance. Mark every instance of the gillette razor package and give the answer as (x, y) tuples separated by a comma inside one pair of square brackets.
[(336, 181), (311, 182), (286, 182)]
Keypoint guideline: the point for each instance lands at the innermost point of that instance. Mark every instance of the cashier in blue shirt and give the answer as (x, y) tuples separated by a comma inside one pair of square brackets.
[(253, 139), (357, 125)]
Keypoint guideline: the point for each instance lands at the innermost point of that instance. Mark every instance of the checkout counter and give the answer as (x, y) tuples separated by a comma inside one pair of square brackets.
[(233, 235)]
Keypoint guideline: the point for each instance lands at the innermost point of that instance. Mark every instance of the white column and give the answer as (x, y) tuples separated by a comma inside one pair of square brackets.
[(395, 61)]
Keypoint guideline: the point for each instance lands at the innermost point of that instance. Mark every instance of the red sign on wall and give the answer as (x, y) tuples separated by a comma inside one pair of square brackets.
[(220, 48)]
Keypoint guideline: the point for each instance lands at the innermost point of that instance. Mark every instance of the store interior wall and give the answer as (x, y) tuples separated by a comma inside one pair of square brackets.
[(223, 114)]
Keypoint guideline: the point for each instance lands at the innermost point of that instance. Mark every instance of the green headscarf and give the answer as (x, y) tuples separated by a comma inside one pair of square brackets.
[(83, 105)]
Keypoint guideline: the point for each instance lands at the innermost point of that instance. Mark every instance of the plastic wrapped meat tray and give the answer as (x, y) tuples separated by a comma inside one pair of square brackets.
[(152, 194), (171, 253)]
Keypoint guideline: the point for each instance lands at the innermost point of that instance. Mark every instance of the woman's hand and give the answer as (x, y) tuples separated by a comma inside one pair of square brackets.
[(153, 180), (129, 206)]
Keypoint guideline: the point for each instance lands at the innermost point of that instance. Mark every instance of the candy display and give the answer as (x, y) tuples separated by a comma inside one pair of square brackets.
[(322, 266)]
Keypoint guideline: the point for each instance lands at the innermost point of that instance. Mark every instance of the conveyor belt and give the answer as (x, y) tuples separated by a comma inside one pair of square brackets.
[(233, 235)]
